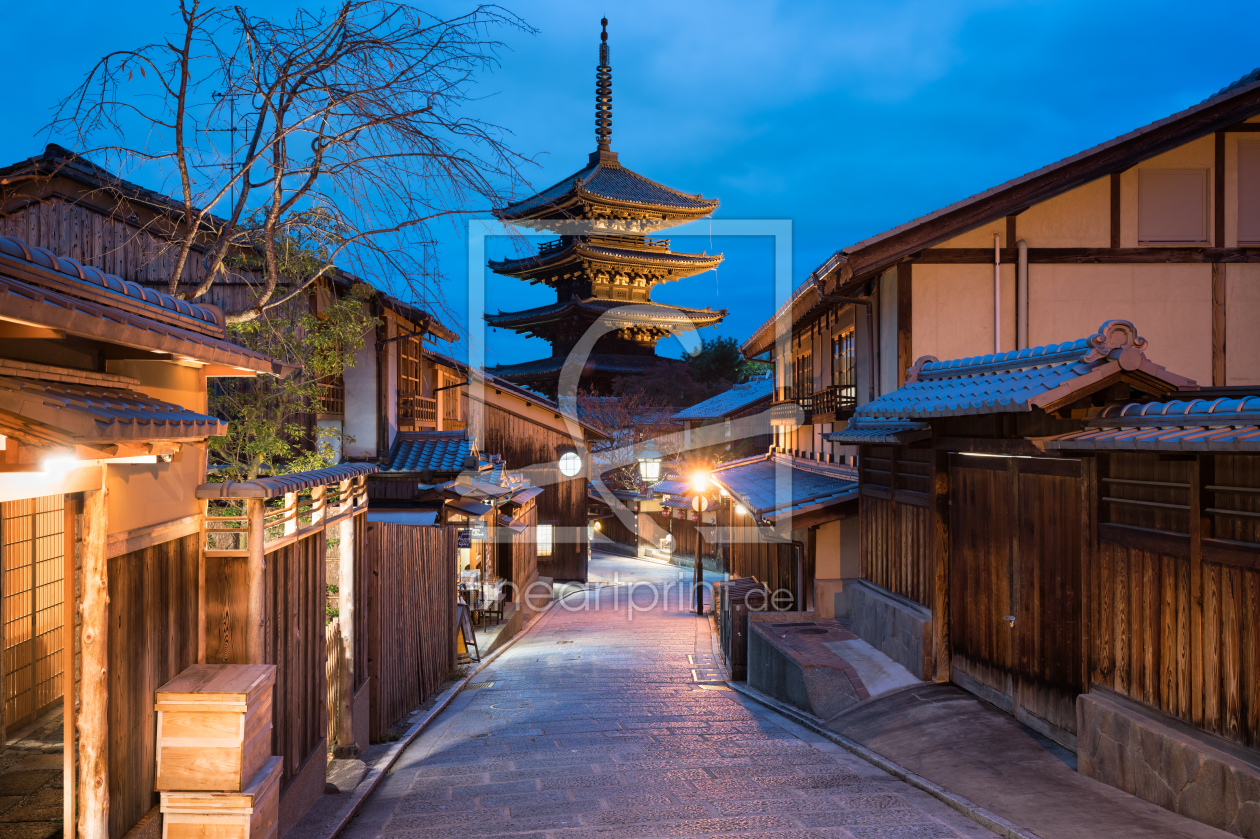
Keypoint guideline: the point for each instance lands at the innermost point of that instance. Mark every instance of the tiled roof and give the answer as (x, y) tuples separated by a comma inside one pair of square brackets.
[(756, 483), (96, 414), (1019, 381), (736, 399), (596, 362), (1250, 78), (281, 484), (637, 313), (605, 179), (26, 303), (875, 430), (673, 488), (80, 275), (1223, 425), (429, 451)]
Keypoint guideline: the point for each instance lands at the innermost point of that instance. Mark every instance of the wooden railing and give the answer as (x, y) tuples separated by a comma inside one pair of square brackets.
[(837, 402), (415, 411)]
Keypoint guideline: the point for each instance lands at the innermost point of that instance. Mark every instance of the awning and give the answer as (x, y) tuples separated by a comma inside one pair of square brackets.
[(526, 495), (468, 507), (282, 484), (514, 525), (774, 486), (877, 430)]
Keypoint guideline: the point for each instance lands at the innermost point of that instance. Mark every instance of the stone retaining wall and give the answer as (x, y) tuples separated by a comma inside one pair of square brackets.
[(1168, 763), (899, 628)]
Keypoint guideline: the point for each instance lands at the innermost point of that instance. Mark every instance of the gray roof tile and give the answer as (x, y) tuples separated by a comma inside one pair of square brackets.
[(756, 482), (728, 402), (429, 451)]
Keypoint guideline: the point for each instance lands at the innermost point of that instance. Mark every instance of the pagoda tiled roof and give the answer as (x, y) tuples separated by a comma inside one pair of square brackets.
[(645, 314), (604, 179), (608, 363), (578, 249)]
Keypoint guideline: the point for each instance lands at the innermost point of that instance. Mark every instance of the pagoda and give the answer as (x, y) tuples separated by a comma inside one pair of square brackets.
[(602, 263)]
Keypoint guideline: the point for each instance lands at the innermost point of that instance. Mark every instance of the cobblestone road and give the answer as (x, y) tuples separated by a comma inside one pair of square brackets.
[(592, 725)]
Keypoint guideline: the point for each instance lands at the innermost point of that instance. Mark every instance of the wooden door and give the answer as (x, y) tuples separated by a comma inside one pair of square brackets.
[(1016, 586), (32, 550)]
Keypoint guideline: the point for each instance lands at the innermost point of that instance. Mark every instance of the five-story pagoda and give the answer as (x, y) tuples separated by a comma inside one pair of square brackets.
[(602, 262)]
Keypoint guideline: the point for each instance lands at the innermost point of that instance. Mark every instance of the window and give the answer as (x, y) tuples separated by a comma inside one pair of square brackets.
[(804, 367), (1248, 194), (544, 539), (844, 365), (1172, 207)]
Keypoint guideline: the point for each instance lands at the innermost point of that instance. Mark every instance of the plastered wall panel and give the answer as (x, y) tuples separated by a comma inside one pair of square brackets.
[(981, 237), (1171, 305), (953, 310), (1242, 338), (1080, 218)]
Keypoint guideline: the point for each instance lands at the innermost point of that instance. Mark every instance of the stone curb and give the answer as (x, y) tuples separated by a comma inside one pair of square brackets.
[(980, 815), (374, 775)]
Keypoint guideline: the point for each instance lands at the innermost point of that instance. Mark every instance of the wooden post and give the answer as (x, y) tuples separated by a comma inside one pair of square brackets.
[(1202, 475), (940, 550), (256, 608), (290, 513), (349, 559), (94, 714), (1219, 322), (68, 612)]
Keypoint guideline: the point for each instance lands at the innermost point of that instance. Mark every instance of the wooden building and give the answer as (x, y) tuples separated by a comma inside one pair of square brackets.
[(603, 267), (736, 422), (102, 428), (1075, 522)]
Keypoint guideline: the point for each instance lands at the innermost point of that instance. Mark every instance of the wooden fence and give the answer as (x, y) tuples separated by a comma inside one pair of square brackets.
[(896, 524), (266, 590), (411, 617)]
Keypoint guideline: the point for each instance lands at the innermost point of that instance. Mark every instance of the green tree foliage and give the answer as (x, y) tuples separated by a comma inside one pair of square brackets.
[(720, 360), (266, 432)]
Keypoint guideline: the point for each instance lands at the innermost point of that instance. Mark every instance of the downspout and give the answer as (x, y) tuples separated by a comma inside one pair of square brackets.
[(997, 293), (799, 549), (1021, 295)]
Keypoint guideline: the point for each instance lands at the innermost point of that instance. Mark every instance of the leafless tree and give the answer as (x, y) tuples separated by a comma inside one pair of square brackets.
[(335, 137)]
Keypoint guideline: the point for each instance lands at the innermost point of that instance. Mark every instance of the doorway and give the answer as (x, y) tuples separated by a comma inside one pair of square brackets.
[(1015, 587)]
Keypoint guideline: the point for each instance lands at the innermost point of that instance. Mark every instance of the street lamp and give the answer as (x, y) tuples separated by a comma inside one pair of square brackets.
[(650, 462)]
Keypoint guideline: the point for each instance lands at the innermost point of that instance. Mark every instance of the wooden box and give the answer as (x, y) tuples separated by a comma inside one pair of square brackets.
[(252, 813), (214, 727)]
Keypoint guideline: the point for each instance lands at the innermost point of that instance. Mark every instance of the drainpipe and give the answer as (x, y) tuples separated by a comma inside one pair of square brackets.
[(1021, 295), (997, 292), (799, 549)]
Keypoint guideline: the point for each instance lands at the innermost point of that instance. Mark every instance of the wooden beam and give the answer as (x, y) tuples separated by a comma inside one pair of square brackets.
[(905, 314), (94, 695), (981, 445), (1088, 489), (1115, 210), (255, 574), (1012, 231), (1219, 321), (1203, 475), (1218, 190), (1243, 128), (941, 647), (1089, 256)]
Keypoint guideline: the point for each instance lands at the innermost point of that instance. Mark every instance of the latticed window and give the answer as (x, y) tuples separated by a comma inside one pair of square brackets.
[(332, 395), (414, 408), (545, 536), (844, 364), (804, 384)]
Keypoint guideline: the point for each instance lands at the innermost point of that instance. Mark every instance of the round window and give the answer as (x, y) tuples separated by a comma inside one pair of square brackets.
[(570, 464)]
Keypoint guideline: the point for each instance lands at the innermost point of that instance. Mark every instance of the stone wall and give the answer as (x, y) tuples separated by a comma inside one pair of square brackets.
[(1167, 762), (818, 690), (899, 628)]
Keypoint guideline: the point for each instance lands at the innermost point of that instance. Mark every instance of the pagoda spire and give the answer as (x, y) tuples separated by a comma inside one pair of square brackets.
[(603, 93)]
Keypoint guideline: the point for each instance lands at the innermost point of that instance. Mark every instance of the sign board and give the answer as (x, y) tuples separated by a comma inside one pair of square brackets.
[(463, 538), (699, 503), (479, 530)]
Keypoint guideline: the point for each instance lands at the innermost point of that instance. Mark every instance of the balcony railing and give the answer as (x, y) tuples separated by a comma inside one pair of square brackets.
[(789, 413), (415, 412), (836, 403)]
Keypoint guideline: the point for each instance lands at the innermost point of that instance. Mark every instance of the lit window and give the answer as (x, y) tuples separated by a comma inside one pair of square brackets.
[(843, 365), (544, 539)]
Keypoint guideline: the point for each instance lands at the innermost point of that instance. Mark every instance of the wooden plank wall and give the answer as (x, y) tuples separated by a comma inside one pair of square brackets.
[(411, 628), (532, 448), (294, 638), (897, 527), (613, 529), (362, 594), (687, 538), (1173, 622), (770, 562), (519, 563), (152, 639)]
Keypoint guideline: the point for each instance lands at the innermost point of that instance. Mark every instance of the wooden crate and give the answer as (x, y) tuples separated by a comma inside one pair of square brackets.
[(214, 727), (252, 813)]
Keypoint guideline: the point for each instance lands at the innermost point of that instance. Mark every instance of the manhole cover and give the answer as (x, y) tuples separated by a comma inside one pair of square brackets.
[(816, 631), (806, 623), (478, 685)]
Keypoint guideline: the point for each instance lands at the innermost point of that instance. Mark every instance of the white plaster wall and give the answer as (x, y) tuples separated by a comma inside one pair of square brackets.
[(391, 381), (953, 310), (1171, 306), (1242, 314), (1080, 218), (333, 425), (360, 421)]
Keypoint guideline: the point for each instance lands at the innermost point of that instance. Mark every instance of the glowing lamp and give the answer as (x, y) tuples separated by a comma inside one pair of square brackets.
[(740, 510), (650, 462), (570, 464)]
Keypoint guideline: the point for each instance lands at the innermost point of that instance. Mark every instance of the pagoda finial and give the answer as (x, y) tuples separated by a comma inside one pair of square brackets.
[(603, 93)]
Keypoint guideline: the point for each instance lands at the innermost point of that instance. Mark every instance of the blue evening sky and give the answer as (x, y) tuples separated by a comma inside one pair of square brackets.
[(845, 117)]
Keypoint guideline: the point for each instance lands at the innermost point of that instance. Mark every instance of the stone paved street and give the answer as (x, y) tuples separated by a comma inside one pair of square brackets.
[(592, 725)]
